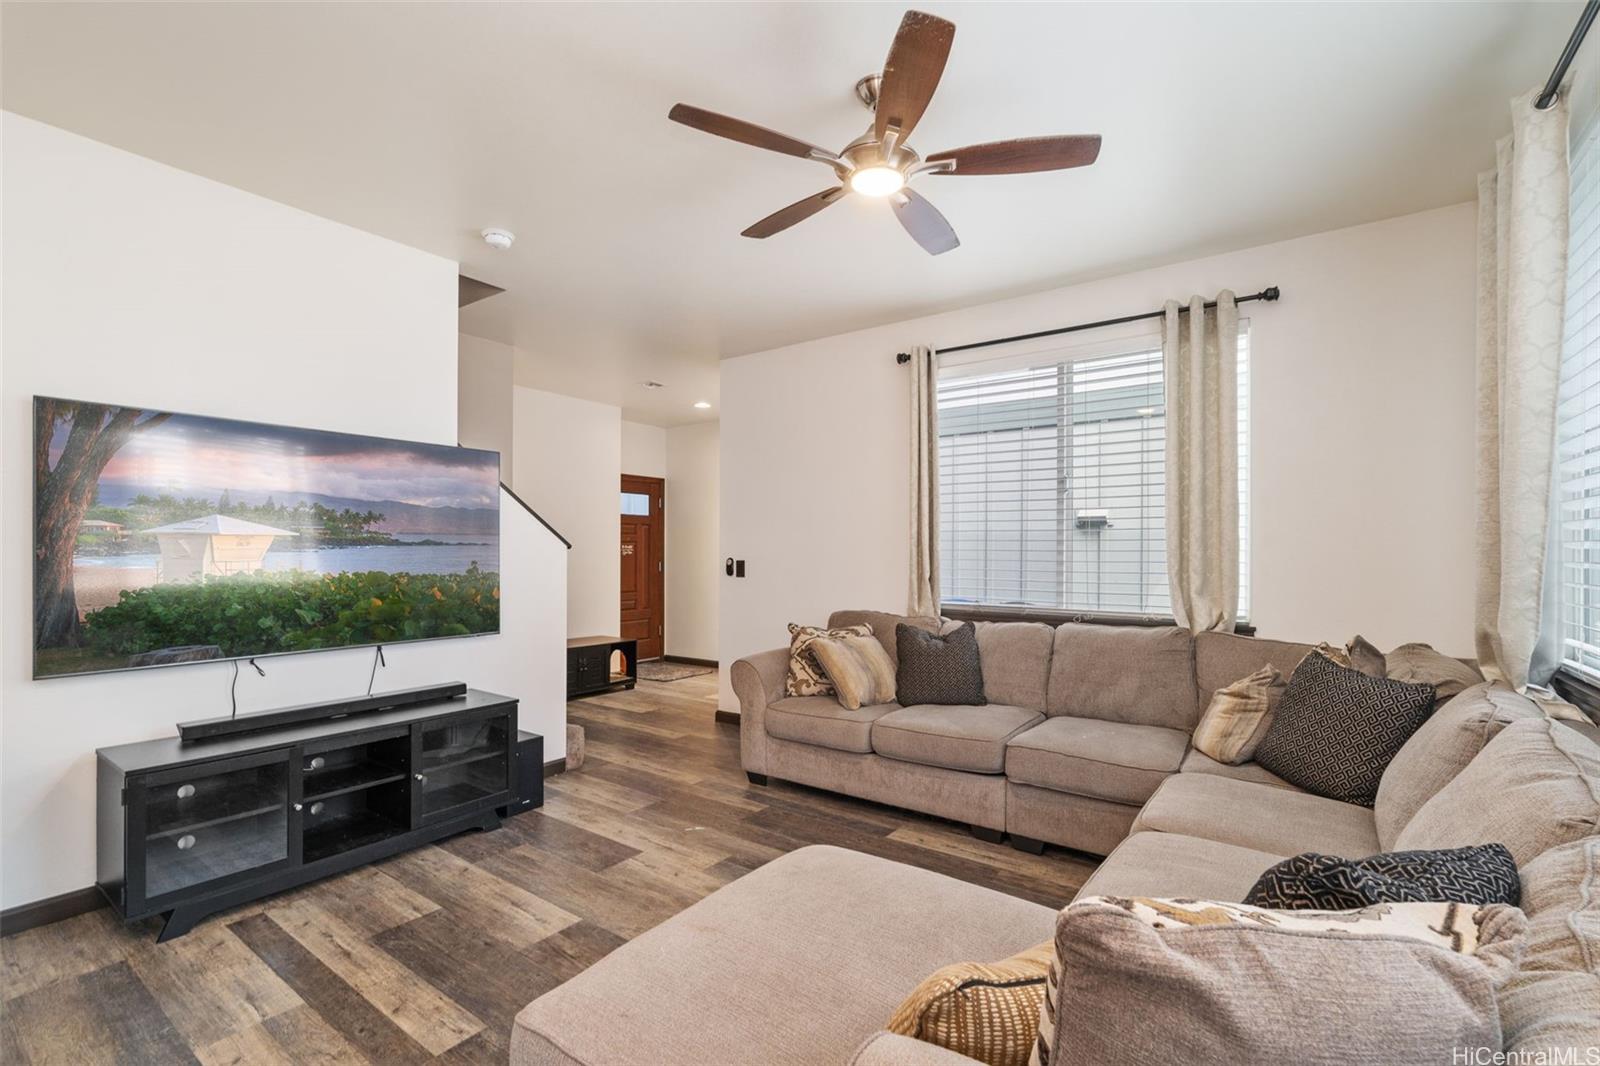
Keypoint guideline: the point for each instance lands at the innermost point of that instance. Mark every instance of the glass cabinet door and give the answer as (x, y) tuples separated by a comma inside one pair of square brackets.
[(212, 822), (462, 763)]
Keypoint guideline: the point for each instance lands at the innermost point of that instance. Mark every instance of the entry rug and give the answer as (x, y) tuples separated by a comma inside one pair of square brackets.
[(660, 670)]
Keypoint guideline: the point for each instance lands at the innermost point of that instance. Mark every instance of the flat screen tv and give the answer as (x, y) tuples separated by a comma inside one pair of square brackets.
[(164, 538)]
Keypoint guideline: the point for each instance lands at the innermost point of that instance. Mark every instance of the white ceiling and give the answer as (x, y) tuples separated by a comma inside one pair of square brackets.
[(1225, 125)]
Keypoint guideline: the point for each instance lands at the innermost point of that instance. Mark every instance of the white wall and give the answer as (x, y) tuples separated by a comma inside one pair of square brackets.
[(1362, 464), (135, 283), (694, 564), (568, 463), (483, 400), (644, 450)]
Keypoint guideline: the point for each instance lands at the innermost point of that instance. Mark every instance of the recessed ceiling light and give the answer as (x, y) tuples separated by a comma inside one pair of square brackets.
[(499, 239), (652, 384), (701, 405)]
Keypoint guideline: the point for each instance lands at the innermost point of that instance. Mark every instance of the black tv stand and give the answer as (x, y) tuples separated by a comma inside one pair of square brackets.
[(188, 829)]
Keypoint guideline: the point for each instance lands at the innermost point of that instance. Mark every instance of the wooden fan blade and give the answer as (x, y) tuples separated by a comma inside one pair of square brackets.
[(746, 133), (912, 71), (1022, 156), (798, 211), (924, 222)]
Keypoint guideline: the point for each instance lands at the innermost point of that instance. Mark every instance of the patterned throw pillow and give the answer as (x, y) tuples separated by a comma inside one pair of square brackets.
[(1481, 874), (861, 671), (806, 677), (985, 1011), (1226, 982), (1335, 729), (1239, 716), (939, 669)]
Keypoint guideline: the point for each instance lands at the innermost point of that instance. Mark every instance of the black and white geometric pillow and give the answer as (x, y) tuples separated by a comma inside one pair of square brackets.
[(1336, 729), (1481, 874), (938, 669)]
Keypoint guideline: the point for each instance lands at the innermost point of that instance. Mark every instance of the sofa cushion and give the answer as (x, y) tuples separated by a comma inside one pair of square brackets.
[(806, 676), (1480, 874), (940, 668), (1239, 715), (1140, 980), (861, 671), (1535, 786), (1220, 659), (1172, 864), (1441, 748), (1093, 757), (820, 720), (1335, 729), (790, 965), (988, 1011), (1420, 664), (881, 624), (1016, 662), (953, 737), (1258, 816), (1198, 762), (1553, 1001), (1137, 674)]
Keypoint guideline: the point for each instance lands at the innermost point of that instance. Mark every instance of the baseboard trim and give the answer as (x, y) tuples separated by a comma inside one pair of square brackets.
[(55, 909), (727, 717), (555, 766), (687, 661)]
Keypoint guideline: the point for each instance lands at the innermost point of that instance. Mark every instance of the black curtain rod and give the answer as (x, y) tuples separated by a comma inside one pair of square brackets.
[(1552, 88), (1269, 294)]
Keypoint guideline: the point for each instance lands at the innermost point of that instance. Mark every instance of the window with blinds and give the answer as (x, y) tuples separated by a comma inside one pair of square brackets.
[(1578, 418), (1052, 478)]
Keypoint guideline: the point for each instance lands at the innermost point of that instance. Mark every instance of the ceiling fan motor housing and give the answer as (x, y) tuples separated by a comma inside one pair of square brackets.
[(867, 91)]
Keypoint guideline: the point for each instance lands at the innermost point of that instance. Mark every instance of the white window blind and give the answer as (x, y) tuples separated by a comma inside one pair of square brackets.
[(1052, 477), (1578, 417)]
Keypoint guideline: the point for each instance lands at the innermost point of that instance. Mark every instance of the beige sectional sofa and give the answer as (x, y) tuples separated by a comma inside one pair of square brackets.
[(1084, 723), (804, 960)]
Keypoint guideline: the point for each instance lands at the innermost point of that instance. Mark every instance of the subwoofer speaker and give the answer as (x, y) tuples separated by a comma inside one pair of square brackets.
[(530, 773)]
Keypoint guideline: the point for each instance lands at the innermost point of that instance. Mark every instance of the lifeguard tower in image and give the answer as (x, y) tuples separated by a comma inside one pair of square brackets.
[(214, 546)]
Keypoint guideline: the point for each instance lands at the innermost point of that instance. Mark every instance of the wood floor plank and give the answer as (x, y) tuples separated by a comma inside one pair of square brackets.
[(362, 1024), (475, 894), (209, 983), (387, 963), (430, 1018)]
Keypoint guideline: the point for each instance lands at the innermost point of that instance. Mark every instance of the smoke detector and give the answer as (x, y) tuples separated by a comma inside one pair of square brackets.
[(498, 239)]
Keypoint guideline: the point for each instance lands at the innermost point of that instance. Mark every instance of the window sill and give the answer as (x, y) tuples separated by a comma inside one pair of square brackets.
[(977, 612), (1580, 691)]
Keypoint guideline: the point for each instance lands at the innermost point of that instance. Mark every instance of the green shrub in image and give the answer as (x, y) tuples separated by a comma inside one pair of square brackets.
[(266, 612)]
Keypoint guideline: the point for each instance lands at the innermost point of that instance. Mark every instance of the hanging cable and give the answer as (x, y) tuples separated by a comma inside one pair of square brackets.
[(376, 659)]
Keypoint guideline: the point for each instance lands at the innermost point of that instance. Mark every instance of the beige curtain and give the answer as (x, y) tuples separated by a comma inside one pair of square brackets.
[(1200, 355), (1522, 278), (923, 598)]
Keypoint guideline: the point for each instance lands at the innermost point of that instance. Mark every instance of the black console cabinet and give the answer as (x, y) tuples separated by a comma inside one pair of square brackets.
[(185, 830)]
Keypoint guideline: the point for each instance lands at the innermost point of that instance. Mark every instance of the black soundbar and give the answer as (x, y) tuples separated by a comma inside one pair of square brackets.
[(257, 721)]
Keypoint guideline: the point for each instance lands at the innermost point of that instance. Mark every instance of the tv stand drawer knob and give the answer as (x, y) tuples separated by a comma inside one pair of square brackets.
[(317, 763), (186, 842), (185, 791), (421, 778)]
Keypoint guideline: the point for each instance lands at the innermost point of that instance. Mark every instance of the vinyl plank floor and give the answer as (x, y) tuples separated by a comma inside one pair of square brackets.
[(428, 957)]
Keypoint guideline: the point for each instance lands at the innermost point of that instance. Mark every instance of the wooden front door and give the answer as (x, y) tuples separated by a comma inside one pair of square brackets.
[(644, 563)]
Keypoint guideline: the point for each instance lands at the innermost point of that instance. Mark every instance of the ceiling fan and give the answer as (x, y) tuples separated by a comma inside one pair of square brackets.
[(880, 162)]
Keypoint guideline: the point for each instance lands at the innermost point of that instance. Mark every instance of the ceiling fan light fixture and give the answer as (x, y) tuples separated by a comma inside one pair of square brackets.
[(877, 181)]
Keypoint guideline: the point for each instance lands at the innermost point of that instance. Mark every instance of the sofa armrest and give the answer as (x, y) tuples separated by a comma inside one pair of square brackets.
[(891, 1049), (757, 681)]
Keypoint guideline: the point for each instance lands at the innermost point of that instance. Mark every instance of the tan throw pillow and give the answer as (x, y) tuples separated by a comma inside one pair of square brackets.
[(805, 673), (1238, 717), (1365, 657), (1419, 664), (1226, 982), (861, 671), (985, 1011)]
